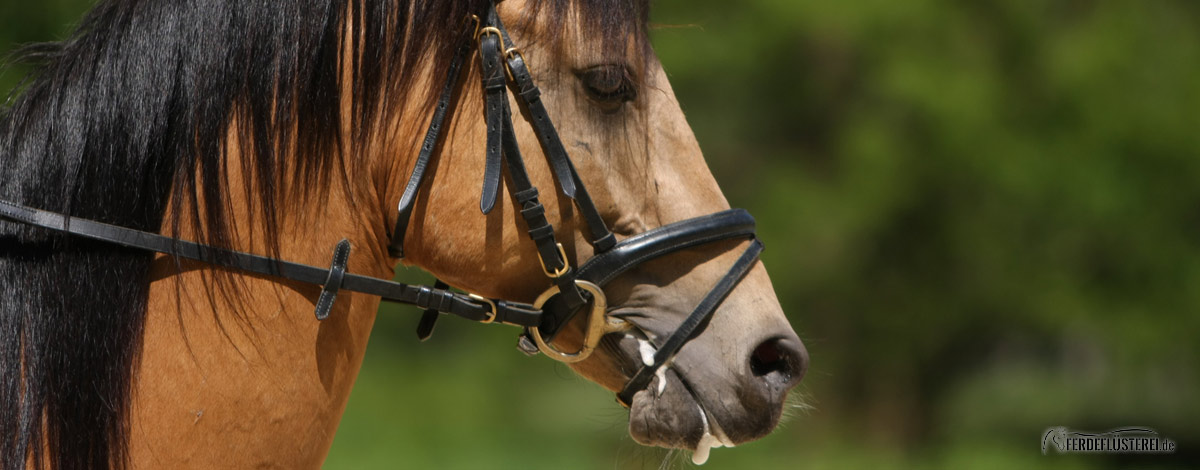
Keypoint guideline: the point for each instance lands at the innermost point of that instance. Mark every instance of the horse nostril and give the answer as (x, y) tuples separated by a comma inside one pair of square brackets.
[(779, 360)]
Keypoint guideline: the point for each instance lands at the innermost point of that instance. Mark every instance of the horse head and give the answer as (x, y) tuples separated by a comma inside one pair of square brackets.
[(616, 115)]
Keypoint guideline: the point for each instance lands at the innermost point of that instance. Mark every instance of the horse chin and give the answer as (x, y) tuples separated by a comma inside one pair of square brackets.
[(686, 407), (670, 418), (670, 414)]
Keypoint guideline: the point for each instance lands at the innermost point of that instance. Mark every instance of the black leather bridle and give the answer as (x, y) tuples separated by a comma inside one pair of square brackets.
[(502, 68)]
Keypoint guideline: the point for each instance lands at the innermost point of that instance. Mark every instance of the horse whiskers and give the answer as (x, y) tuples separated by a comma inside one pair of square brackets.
[(799, 401), (670, 459), (796, 403)]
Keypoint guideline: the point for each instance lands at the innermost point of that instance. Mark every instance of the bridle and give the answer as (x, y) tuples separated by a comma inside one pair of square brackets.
[(574, 288)]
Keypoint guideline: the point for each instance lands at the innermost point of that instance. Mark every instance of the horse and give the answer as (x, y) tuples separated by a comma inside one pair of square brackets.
[(173, 172)]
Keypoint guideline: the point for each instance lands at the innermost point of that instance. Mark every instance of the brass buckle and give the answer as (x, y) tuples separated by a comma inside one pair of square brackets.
[(484, 300), (508, 55), (562, 254), (481, 32), (598, 325)]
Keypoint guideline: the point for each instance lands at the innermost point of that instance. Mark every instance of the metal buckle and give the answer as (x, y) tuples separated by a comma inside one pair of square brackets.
[(562, 254), (598, 325), (508, 55), (479, 33), (484, 31), (484, 300)]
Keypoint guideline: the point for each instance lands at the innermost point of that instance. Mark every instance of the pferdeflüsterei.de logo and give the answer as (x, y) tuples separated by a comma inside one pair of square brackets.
[(1131, 440)]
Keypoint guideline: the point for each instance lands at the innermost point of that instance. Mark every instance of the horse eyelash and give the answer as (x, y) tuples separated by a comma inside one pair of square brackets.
[(601, 87)]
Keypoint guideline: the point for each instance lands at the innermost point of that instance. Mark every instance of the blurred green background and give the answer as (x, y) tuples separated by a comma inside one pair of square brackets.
[(982, 218)]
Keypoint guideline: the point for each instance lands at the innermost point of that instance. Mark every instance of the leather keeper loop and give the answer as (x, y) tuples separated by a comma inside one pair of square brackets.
[(605, 243), (541, 233), (526, 195), (430, 317), (534, 210), (442, 300), (423, 295), (493, 84), (531, 95), (337, 272)]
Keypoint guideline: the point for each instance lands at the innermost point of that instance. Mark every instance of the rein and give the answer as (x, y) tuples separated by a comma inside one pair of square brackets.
[(502, 68)]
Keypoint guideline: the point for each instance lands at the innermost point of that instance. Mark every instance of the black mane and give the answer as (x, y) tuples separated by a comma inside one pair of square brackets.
[(134, 110)]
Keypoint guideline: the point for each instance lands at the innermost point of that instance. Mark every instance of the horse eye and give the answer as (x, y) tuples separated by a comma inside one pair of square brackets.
[(609, 86)]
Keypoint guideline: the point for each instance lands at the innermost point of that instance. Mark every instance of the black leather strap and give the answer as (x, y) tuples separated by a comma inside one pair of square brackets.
[(430, 317), (693, 324), (540, 229), (337, 273), (430, 143), (421, 296), (528, 96), (499, 123), (603, 268), (495, 99)]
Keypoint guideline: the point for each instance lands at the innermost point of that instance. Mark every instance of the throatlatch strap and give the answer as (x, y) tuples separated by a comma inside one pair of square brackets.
[(430, 143), (693, 324)]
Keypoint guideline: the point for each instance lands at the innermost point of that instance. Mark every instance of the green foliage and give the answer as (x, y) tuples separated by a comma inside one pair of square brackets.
[(982, 217)]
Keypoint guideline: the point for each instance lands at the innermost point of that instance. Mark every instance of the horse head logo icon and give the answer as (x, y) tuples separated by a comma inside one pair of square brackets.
[(1055, 435)]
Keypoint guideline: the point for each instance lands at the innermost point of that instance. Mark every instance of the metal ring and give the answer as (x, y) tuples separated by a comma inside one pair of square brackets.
[(481, 299), (597, 325)]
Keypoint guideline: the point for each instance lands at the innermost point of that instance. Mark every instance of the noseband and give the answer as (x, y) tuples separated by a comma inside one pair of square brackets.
[(574, 288)]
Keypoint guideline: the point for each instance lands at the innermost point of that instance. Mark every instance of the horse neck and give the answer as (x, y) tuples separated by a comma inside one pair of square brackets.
[(236, 358)]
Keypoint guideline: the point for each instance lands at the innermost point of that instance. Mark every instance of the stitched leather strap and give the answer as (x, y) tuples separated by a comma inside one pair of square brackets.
[(693, 324), (499, 122), (540, 229), (337, 273), (421, 296), (430, 143), (495, 99), (430, 317), (633, 251), (528, 96)]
